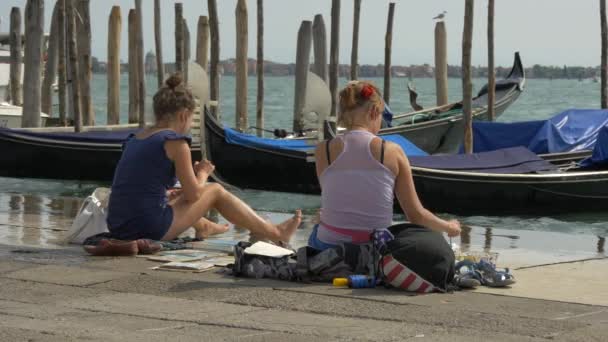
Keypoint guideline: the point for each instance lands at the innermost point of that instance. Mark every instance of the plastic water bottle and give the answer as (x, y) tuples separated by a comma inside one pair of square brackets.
[(356, 281)]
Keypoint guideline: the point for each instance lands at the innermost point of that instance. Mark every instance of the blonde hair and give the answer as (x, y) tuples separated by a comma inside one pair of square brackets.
[(357, 95)]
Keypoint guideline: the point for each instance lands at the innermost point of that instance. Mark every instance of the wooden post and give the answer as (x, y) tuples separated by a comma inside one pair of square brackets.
[(186, 50), (214, 76), (491, 73), (202, 41), (160, 67), (16, 42), (604, 70), (34, 26), (179, 37), (334, 58), (259, 70), (354, 55), (115, 28), (62, 63), (133, 75), (441, 63), (83, 26), (320, 47), (70, 10), (467, 86), (50, 71), (141, 76), (302, 66), (388, 44), (241, 64)]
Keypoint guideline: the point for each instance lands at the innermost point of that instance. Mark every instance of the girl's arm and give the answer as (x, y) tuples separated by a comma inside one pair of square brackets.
[(409, 201), (179, 152)]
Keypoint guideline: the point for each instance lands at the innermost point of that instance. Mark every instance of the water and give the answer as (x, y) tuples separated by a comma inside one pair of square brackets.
[(541, 99)]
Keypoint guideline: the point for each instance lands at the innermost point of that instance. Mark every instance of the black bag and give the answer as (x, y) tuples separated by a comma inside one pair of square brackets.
[(421, 250)]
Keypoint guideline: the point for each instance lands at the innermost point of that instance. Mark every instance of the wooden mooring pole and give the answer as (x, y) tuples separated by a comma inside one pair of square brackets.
[(70, 10), (354, 55), (491, 72), (62, 63), (202, 41), (133, 74), (50, 71), (604, 67), (302, 66), (186, 49), (467, 86), (114, 30), (259, 69), (16, 58), (241, 64), (441, 63), (388, 43), (214, 76), (83, 27), (179, 37), (320, 47), (158, 43), (141, 76), (334, 58), (34, 31)]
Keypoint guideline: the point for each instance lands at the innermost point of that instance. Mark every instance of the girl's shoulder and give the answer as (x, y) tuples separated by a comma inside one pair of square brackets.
[(162, 135)]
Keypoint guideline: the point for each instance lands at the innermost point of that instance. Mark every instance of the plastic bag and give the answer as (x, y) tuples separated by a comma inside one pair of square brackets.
[(91, 218)]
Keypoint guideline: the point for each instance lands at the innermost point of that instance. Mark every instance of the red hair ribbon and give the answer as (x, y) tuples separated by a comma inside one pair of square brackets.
[(367, 91)]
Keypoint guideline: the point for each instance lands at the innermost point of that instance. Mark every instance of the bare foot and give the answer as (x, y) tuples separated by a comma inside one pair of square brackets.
[(209, 228), (288, 228)]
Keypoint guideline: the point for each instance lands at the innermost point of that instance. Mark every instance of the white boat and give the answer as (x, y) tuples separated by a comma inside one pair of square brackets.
[(10, 116)]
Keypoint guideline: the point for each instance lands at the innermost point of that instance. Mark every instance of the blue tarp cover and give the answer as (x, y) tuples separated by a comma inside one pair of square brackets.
[(572, 130), (508, 160), (234, 137), (599, 158)]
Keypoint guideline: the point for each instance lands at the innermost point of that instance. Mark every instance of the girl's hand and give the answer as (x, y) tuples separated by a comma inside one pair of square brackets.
[(173, 194), (453, 228), (204, 166)]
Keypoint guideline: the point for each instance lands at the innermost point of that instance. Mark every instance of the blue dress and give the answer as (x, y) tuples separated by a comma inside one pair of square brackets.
[(138, 206)]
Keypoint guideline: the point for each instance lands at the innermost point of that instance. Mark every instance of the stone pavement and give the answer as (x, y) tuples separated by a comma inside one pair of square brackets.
[(60, 294)]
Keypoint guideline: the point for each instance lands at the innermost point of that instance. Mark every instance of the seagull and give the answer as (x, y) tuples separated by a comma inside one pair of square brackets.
[(441, 15)]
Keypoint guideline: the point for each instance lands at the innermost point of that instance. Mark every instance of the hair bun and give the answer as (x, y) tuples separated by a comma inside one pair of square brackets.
[(174, 80)]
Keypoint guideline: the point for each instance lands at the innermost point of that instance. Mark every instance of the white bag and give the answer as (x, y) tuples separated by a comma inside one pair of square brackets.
[(91, 218)]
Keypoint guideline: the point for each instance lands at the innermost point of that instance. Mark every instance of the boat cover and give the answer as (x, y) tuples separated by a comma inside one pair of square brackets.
[(248, 140), (572, 130), (508, 160), (89, 137), (599, 158)]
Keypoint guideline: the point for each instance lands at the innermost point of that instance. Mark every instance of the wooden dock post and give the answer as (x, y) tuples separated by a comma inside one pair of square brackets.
[(158, 42), (70, 10), (241, 64), (50, 71), (141, 75), (467, 86), (62, 63), (302, 66), (491, 72), (354, 54), (114, 31), (604, 68), (259, 69), (320, 47), (16, 42), (186, 50), (179, 37), (334, 57), (133, 74), (214, 75), (388, 45), (83, 28), (32, 54), (202, 41), (441, 63)]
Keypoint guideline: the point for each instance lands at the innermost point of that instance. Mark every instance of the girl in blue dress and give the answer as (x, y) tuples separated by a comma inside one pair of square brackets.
[(141, 205)]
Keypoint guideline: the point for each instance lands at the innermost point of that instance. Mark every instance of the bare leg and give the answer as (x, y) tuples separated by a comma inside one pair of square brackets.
[(205, 228), (185, 214)]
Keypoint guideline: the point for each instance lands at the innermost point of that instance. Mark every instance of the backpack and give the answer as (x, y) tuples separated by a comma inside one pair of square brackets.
[(417, 259)]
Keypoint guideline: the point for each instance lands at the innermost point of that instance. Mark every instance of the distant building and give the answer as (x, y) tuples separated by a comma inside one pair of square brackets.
[(150, 63)]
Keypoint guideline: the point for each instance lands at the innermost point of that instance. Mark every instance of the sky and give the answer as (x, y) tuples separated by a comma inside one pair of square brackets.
[(549, 32)]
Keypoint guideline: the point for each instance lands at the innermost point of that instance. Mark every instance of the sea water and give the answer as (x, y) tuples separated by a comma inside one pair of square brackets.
[(541, 99)]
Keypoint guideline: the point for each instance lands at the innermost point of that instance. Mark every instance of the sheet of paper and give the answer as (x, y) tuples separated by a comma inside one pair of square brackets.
[(266, 249), (194, 266)]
